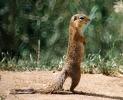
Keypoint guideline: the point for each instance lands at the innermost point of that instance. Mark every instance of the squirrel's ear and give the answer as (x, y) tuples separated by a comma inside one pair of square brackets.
[(75, 18)]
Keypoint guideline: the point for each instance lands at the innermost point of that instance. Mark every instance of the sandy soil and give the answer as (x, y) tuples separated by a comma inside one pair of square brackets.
[(91, 86)]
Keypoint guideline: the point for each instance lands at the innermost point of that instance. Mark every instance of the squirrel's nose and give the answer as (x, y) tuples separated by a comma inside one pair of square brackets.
[(88, 19)]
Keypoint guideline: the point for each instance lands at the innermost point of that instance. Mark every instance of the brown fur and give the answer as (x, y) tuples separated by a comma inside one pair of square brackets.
[(74, 56), (75, 50)]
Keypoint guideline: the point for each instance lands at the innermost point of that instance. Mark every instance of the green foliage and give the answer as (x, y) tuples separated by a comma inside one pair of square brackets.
[(31, 20), (96, 64)]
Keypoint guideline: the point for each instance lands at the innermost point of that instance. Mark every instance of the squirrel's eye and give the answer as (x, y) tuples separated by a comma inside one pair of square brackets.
[(81, 17)]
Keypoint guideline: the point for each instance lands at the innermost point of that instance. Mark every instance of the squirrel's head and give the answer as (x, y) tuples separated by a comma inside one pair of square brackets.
[(79, 20)]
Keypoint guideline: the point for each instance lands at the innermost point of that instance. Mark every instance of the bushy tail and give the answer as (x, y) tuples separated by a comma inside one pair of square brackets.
[(50, 88)]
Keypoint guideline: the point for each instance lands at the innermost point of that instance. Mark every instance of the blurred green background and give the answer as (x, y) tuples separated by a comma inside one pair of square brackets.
[(35, 32)]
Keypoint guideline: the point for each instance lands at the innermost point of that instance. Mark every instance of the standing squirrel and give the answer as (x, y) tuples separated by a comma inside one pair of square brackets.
[(75, 53)]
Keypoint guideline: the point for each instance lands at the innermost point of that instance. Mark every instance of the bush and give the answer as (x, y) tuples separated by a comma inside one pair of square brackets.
[(96, 64)]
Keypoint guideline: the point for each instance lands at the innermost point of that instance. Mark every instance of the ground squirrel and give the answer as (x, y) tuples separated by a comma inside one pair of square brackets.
[(74, 57), (75, 51)]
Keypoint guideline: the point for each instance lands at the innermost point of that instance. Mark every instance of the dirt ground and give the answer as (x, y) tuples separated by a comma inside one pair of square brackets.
[(91, 86)]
